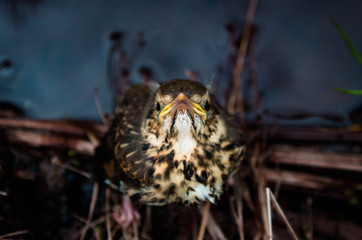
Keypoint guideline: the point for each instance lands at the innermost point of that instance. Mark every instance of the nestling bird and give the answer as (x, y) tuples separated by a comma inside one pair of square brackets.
[(173, 143)]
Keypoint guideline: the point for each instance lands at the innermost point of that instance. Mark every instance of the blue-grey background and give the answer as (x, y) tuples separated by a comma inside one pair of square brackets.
[(58, 50)]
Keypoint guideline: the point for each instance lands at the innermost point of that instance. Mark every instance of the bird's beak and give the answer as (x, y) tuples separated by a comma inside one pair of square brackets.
[(182, 102)]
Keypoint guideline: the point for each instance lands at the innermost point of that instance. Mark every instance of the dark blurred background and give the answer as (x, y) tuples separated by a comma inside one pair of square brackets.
[(53, 54)]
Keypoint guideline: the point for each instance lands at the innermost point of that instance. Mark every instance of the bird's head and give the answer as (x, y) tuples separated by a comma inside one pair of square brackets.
[(184, 105)]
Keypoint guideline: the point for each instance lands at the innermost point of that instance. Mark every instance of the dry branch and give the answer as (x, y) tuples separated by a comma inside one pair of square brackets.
[(237, 207), (67, 127), (205, 215), (55, 126), (108, 219), (55, 160), (271, 199), (91, 210), (13, 234), (38, 139), (307, 157), (212, 226), (314, 134), (297, 179), (236, 97)]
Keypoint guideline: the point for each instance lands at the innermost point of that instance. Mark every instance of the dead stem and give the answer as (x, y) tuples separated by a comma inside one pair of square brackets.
[(270, 196), (191, 74), (238, 212), (125, 235), (21, 232), (236, 97), (55, 160), (115, 230), (91, 210), (115, 208), (195, 226), (108, 220), (262, 201), (97, 221), (56, 126), (254, 85), (278, 184), (246, 196), (309, 157), (298, 179), (96, 141), (259, 183), (258, 235), (214, 228), (148, 222), (37, 139), (270, 227), (205, 214), (99, 106), (79, 218), (135, 230), (309, 233), (313, 134)]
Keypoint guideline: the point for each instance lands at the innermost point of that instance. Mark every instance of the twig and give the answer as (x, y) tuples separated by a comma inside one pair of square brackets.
[(205, 215), (259, 183), (278, 185), (236, 97), (212, 226), (237, 214), (125, 235), (37, 139), (14, 234), (191, 74), (270, 227), (258, 235), (108, 220), (135, 230), (308, 157), (115, 208), (56, 126), (99, 106), (262, 200), (246, 196), (147, 224), (309, 233), (298, 179), (91, 210), (256, 100), (79, 218), (55, 160), (314, 134), (115, 230), (195, 227), (271, 197), (97, 221)]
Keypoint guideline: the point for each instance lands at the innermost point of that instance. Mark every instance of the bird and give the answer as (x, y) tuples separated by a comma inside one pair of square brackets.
[(172, 142)]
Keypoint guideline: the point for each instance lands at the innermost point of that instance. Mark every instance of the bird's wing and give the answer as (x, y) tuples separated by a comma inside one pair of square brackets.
[(129, 161), (236, 137)]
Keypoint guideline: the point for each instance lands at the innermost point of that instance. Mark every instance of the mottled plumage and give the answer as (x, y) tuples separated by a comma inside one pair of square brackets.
[(173, 143)]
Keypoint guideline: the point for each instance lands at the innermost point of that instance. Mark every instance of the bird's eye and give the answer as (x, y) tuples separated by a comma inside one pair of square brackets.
[(207, 106), (158, 107)]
